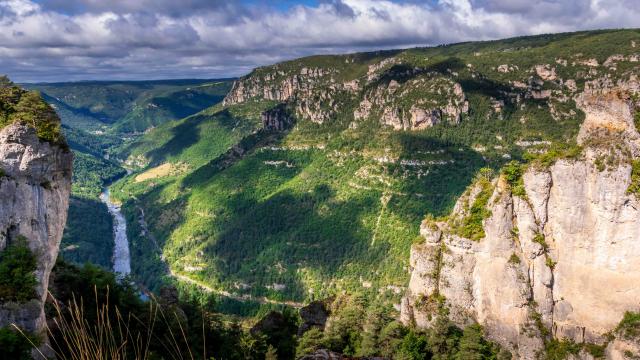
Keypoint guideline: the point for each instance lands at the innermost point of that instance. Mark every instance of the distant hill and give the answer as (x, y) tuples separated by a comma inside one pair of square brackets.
[(129, 106)]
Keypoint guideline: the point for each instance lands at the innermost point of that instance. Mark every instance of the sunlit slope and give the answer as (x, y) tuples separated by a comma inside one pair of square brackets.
[(334, 202)]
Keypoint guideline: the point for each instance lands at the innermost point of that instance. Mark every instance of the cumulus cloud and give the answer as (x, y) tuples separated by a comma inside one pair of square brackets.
[(51, 40)]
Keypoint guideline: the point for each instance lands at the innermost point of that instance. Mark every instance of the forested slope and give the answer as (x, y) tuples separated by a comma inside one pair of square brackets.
[(330, 194)]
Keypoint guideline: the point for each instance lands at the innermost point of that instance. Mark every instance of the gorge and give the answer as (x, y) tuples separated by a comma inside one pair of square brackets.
[(466, 201)]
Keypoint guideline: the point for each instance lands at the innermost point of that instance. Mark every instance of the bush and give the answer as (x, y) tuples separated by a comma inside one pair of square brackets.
[(561, 349), (17, 277), (539, 238)]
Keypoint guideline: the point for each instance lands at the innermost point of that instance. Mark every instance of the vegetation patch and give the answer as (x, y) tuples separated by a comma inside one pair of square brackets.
[(19, 105), (512, 173), (540, 239), (561, 349), (17, 272), (634, 186), (629, 327), (16, 345), (562, 150), (470, 226)]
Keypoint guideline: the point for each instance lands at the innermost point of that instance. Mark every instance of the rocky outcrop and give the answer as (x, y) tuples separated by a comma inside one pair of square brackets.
[(34, 192), (276, 119), (314, 315), (432, 98), (402, 98), (560, 257)]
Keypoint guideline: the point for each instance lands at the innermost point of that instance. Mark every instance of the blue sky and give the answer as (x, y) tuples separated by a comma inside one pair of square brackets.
[(55, 40)]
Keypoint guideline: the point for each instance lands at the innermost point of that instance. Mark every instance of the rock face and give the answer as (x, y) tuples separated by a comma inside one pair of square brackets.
[(313, 315), (563, 259), (399, 97), (276, 119), (34, 193)]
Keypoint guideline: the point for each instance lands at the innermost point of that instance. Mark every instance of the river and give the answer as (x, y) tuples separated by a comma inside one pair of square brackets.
[(121, 257)]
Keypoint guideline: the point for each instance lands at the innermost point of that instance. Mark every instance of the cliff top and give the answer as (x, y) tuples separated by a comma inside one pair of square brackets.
[(19, 105)]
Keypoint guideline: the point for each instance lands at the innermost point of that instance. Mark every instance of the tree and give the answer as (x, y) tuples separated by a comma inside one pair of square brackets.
[(472, 345), (414, 346), (443, 337), (310, 341)]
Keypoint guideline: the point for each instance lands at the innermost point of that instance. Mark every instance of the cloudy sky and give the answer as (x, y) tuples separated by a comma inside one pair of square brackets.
[(62, 40)]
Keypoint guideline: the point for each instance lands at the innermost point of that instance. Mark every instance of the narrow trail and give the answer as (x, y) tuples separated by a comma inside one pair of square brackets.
[(384, 199), (261, 300)]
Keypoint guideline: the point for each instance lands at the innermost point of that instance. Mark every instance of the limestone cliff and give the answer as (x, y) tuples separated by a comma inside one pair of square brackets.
[(556, 257), (391, 92), (34, 193)]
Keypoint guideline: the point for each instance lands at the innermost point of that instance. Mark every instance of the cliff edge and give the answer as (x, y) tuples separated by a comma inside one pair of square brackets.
[(548, 250), (35, 183)]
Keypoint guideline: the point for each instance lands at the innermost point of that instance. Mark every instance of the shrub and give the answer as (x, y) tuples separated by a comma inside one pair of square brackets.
[(561, 349), (17, 277), (629, 327), (514, 259), (550, 263), (539, 238)]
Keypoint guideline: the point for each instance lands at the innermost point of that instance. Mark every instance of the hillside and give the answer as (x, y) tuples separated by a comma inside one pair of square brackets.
[(342, 157), (99, 116), (129, 106)]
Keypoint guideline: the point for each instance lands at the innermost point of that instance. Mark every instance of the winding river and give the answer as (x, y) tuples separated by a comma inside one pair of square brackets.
[(121, 257)]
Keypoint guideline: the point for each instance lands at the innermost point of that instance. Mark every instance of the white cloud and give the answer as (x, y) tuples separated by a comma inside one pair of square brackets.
[(81, 39)]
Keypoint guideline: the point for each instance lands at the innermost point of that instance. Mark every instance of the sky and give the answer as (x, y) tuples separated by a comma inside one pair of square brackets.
[(69, 40)]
